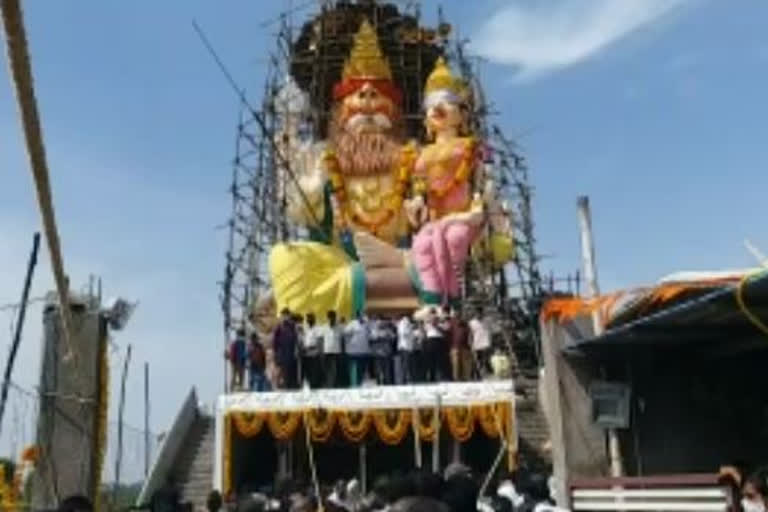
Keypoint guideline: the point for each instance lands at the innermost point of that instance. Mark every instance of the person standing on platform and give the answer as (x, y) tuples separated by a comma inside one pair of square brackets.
[(237, 355), (461, 355), (285, 345), (332, 351), (433, 348), (382, 348), (405, 348), (446, 324), (312, 352), (481, 343), (257, 365), (358, 349)]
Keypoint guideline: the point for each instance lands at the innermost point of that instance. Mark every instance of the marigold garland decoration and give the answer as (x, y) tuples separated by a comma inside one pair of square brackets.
[(283, 425), (226, 456), (102, 409), (321, 423), (461, 423), (30, 454), (392, 425), (426, 424), (355, 425), (248, 424)]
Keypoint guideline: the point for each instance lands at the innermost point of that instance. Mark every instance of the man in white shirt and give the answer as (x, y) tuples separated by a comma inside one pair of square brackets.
[(313, 352), (405, 349), (481, 341), (358, 349), (332, 348)]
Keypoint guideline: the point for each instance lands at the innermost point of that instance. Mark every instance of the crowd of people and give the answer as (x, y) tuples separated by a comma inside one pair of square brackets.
[(456, 490), (331, 352)]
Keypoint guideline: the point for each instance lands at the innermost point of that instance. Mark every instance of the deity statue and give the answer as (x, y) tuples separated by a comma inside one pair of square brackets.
[(359, 178), (367, 190), (351, 185)]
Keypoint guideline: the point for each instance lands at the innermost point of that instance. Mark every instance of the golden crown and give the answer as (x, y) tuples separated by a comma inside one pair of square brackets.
[(366, 59), (442, 79)]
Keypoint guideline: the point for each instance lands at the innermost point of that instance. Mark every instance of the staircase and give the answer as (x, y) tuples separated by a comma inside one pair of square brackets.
[(532, 427), (193, 468)]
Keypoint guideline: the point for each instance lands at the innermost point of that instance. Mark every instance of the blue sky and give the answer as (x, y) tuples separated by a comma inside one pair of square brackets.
[(654, 108)]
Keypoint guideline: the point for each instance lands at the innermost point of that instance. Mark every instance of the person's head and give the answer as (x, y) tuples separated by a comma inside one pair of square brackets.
[(419, 504), (240, 333), (754, 492), (478, 312), (359, 314), (331, 318), (77, 503), (310, 319), (461, 493), (285, 314), (254, 338), (214, 501)]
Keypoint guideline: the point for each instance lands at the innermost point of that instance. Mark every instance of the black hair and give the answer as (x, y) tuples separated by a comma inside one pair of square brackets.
[(759, 480), (76, 503), (214, 501)]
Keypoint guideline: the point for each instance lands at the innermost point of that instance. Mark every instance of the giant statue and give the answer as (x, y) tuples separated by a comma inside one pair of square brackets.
[(391, 223)]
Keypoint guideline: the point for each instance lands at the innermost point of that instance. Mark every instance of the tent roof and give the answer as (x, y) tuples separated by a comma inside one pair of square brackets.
[(675, 312)]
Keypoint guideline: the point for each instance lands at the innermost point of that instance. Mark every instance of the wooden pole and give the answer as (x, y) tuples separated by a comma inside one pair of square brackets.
[(416, 438), (363, 468), (436, 442), (590, 275), (121, 410), (19, 325), (146, 420)]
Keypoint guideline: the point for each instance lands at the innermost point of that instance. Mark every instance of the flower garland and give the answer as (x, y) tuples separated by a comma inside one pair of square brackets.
[(7, 494), (461, 423), (355, 425), (425, 422), (392, 433), (226, 457), (321, 423), (283, 425), (408, 156), (464, 170), (248, 424), (102, 409)]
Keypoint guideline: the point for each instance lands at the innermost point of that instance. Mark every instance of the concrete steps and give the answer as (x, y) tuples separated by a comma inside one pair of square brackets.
[(193, 470)]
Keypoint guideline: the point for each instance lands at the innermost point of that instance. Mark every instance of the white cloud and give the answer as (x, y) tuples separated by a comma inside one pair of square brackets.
[(548, 35)]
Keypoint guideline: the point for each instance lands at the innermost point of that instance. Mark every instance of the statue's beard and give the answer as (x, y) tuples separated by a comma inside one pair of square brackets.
[(366, 153)]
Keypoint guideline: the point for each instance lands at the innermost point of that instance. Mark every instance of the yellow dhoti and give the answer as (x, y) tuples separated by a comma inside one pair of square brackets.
[(310, 277)]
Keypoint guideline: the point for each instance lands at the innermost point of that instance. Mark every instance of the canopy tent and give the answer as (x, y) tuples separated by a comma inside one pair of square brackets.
[(388, 412), (685, 307)]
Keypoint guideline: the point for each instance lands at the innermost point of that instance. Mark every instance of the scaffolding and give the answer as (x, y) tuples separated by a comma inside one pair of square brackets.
[(297, 92)]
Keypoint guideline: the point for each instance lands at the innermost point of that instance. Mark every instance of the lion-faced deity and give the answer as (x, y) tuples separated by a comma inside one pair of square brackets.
[(366, 161)]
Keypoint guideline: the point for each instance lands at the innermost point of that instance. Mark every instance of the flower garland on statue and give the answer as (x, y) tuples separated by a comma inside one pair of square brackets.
[(469, 157), (408, 156)]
